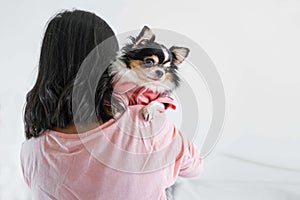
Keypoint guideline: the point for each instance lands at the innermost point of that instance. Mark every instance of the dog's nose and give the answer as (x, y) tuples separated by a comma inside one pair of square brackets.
[(159, 73)]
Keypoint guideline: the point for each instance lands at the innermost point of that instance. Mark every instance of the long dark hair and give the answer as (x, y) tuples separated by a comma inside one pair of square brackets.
[(69, 37)]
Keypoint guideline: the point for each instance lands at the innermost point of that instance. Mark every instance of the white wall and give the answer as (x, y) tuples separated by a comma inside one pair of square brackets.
[(255, 46)]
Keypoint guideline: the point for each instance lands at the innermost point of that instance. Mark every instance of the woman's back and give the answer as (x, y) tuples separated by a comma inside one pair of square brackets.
[(118, 160)]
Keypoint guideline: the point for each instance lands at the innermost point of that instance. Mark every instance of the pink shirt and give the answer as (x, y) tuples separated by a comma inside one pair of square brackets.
[(128, 158)]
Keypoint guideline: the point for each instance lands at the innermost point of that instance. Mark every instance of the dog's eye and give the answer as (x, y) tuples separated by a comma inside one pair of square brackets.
[(168, 69), (149, 62)]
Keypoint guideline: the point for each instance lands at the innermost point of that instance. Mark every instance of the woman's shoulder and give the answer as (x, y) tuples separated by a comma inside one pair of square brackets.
[(31, 147)]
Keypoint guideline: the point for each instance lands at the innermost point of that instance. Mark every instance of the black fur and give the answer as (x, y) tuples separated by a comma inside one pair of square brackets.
[(149, 49)]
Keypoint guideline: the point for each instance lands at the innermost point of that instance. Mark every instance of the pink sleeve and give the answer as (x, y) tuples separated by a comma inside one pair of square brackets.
[(146, 96), (23, 164), (167, 101), (192, 163)]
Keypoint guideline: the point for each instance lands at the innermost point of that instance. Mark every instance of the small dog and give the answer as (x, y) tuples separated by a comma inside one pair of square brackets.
[(145, 65), (150, 65)]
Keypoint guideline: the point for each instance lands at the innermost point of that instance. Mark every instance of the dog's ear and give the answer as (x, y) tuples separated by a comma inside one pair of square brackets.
[(179, 54), (145, 36)]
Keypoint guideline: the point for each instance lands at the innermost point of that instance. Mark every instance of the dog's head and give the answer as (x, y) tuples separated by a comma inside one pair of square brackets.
[(149, 64)]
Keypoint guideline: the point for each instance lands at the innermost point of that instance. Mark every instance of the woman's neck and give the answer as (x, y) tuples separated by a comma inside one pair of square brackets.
[(72, 129)]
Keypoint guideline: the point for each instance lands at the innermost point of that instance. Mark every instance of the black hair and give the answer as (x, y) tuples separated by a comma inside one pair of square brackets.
[(69, 37)]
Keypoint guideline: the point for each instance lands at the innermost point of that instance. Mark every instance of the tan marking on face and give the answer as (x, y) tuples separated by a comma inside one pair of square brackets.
[(169, 76), (167, 65), (135, 63), (145, 73)]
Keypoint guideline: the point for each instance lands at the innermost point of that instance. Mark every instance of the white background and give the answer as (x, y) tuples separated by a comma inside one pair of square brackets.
[(255, 46)]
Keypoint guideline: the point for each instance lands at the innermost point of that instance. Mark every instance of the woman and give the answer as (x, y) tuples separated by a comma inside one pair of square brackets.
[(96, 162)]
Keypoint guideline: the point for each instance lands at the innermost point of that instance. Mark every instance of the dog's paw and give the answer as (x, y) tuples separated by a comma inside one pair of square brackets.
[(151, 110), (148, 114)]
